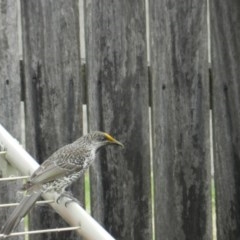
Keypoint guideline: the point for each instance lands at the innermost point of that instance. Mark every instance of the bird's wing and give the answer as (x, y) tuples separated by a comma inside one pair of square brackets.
[(55, 166), (48, 174)]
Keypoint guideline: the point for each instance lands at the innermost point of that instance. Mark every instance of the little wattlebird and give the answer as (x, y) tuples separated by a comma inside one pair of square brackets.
[(58, 172)]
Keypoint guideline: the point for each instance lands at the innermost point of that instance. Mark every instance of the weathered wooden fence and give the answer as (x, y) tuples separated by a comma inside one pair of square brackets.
[(225, 30), (120, 88)]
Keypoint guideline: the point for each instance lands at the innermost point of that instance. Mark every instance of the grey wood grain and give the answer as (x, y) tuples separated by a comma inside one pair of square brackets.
[(10, 96), (225, 45), (180, 113), (53, 96), (118, 104)]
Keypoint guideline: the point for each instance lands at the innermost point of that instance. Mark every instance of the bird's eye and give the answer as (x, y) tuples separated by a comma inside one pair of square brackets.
[(103, 138)]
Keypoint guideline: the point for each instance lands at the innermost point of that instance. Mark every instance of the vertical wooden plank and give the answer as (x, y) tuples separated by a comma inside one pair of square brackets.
[(53, 89), (180, 98), (118, 103), (10, 95), (9, 68), (225, 45)]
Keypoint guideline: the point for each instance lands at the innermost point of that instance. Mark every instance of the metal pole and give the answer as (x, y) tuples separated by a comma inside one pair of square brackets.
[(74, 214)]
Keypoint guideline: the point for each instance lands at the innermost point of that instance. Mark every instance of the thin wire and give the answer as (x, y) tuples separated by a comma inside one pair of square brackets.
[(41, 231), (16, 204), (13, 178), (3, 152)]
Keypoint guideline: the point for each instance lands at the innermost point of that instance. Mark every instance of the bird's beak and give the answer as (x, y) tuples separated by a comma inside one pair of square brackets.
[(113, 140)]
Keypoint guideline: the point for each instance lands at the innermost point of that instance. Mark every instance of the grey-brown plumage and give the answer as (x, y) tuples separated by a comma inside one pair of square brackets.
[(59, 171)]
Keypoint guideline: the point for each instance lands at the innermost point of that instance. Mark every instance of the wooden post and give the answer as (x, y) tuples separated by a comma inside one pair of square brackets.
[(53, 96), (10, 95), (225, 35), (118, 104), (180, 113)]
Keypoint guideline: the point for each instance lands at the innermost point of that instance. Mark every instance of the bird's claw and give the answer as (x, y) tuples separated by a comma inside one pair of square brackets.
[(70, 199)]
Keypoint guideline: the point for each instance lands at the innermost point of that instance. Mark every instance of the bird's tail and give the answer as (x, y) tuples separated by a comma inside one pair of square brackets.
[(19, 212)]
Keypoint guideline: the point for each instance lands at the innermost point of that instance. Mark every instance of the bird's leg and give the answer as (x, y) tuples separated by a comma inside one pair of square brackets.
[(68, 195), (72, 199)]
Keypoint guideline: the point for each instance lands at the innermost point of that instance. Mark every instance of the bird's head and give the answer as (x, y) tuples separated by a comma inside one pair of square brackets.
[(99, 139)]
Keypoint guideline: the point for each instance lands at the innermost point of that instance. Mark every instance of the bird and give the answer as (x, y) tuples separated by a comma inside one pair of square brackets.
[(58, 172)]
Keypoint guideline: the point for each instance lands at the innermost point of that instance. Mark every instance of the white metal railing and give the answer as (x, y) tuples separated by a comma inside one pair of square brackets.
[(13, 178), (43, 231), (16, 204), (74, 214)]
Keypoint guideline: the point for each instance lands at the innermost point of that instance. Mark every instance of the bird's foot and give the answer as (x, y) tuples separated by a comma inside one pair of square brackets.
[(70, 198)]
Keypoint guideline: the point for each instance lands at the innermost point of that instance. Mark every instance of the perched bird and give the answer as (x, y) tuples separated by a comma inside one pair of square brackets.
[(58, 172)]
